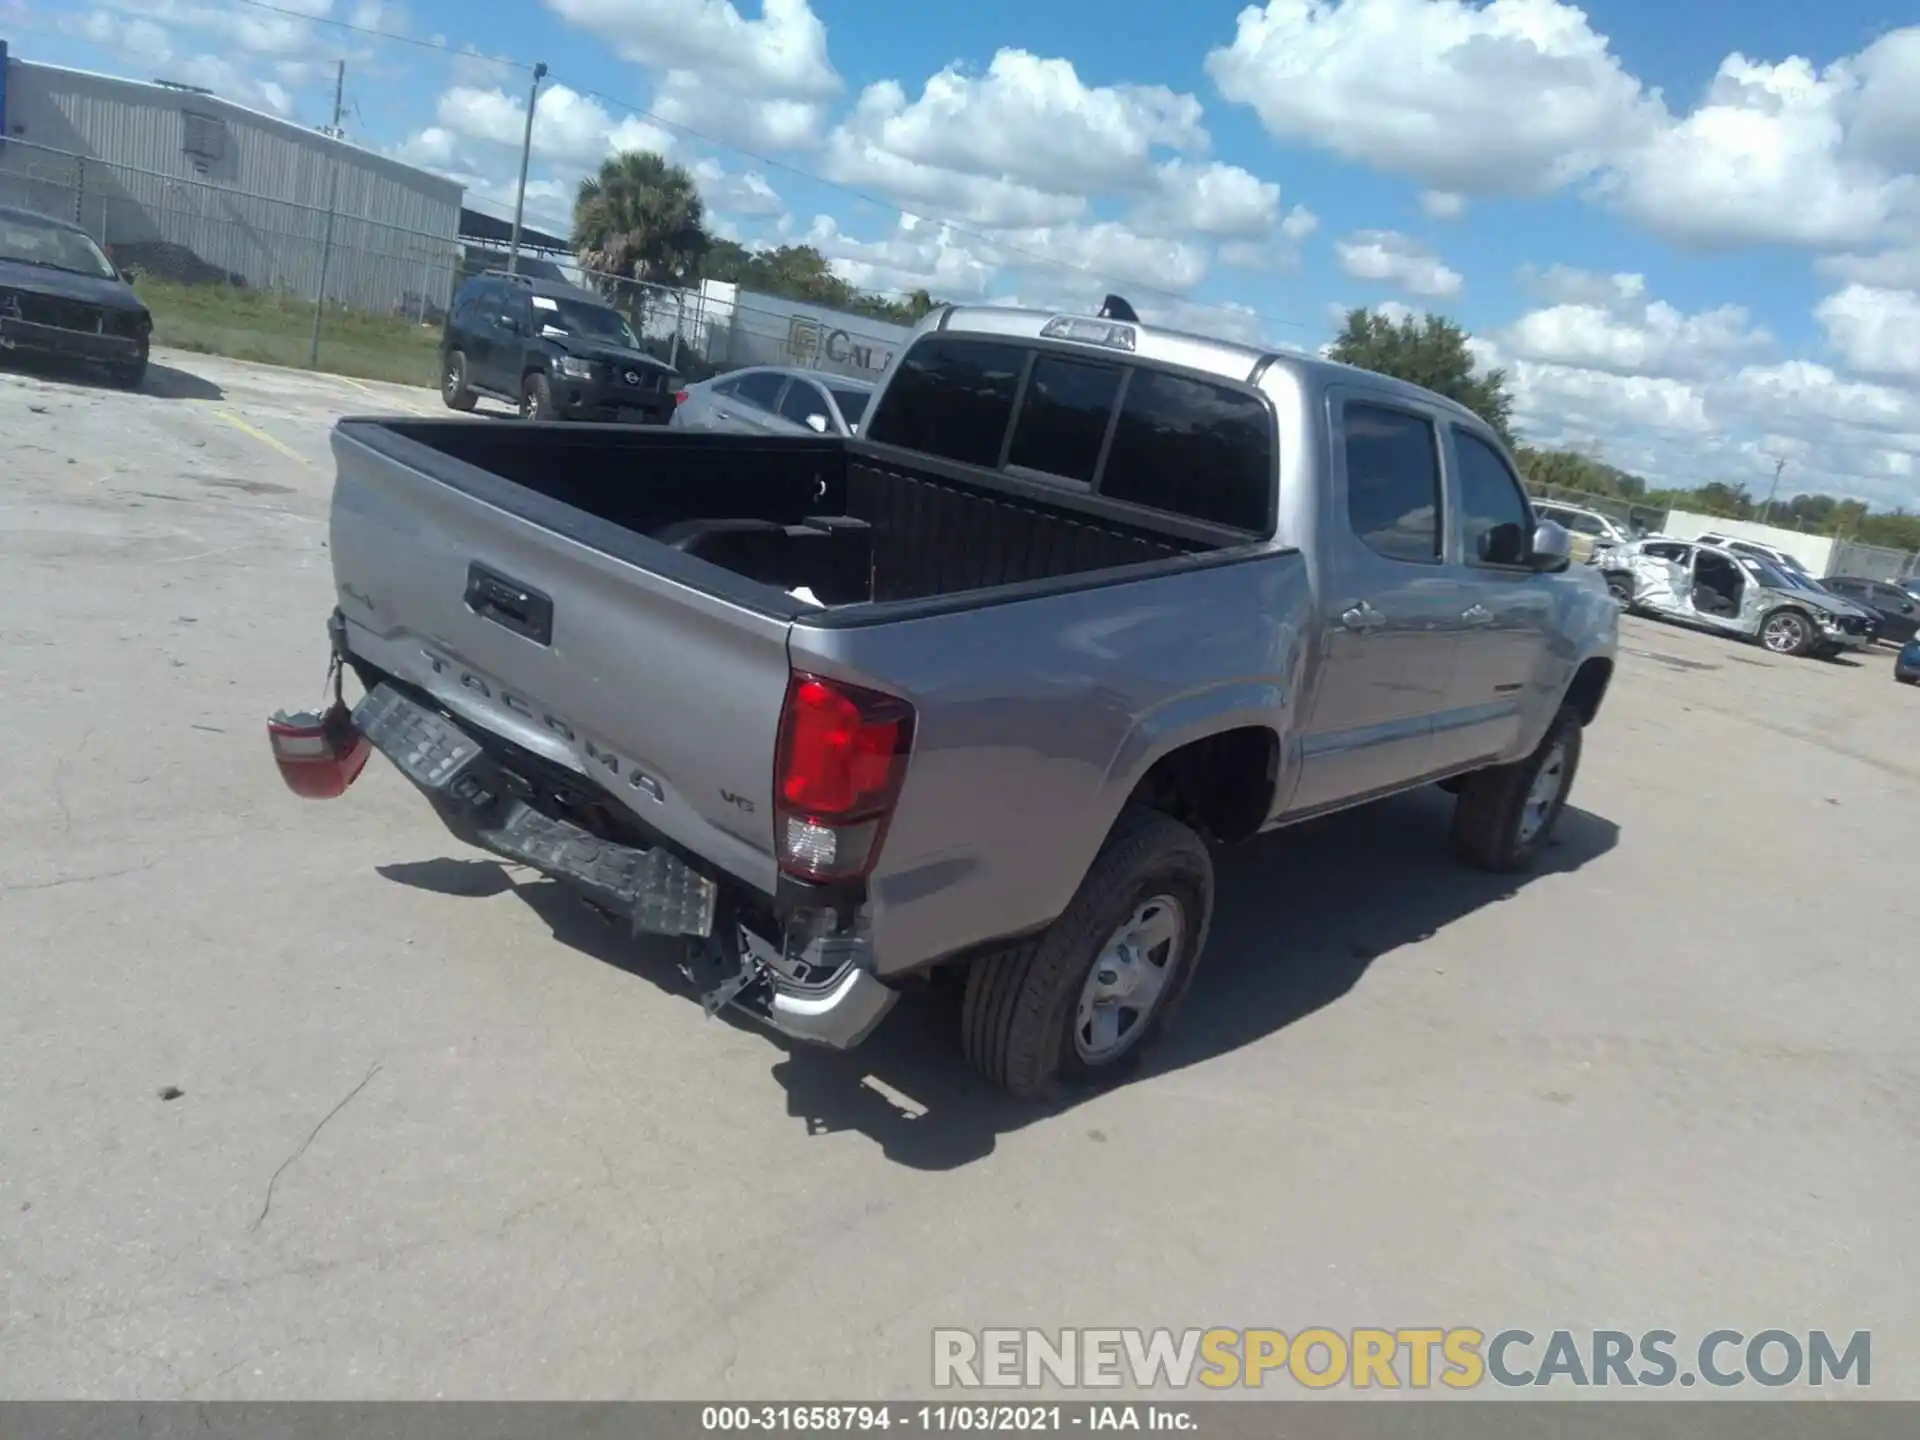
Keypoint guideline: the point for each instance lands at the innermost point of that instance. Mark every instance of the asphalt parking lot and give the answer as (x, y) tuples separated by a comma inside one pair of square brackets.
[(440, 1134)]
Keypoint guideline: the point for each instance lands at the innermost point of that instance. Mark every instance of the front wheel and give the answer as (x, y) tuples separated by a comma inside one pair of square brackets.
[(1787, 632), (1620, 587), (536, 398), (131, 375), (453, 382), (1081, 1005), (1506, 814)]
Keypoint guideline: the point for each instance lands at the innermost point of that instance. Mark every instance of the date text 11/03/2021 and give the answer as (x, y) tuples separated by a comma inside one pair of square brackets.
[(974, 1418)]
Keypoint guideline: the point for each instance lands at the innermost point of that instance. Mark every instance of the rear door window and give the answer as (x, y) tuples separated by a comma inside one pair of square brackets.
[(951, 397), (1393, 482), (802, 400), (1193, 448), (1063, 418), (761, 388)]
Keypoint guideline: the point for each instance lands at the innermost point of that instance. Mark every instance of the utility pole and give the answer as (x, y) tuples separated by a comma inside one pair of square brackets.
[(333, 194), (1779, 464), (526, 154)]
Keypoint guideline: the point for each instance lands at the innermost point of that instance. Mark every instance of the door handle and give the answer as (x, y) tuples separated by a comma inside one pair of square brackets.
[(1476, 615), (1362, 618)]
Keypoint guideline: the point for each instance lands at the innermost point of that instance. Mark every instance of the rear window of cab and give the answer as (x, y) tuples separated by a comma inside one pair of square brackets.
[(1181, 444)]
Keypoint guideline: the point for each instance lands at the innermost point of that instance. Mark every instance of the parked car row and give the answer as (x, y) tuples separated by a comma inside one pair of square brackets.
[(1728, 588), (556, 352)]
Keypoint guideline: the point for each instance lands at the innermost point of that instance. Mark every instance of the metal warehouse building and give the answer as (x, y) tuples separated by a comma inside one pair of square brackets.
[(179, 181)]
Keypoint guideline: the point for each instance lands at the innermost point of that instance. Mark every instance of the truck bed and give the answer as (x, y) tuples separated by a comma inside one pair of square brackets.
[(899, 527)]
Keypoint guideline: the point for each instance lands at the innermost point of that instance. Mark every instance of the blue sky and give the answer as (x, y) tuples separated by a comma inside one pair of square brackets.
[(1691, 234)]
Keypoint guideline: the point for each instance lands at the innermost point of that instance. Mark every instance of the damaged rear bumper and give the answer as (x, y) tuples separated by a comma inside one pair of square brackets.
[(653, 889)]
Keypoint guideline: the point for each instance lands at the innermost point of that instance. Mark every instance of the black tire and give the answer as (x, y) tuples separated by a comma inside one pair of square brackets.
[(1907, 678), (453, 382), (1783, 622), (132, 375), (1620, 586), (1490, 827), (1021, 1005), (536, 397)]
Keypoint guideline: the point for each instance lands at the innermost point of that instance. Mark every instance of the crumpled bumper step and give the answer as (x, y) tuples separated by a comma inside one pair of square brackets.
[(657, 891)]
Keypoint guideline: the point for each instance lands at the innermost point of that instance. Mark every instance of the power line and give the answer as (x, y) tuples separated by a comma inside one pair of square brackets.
[(954, 226), (984, 237), (416, 40)]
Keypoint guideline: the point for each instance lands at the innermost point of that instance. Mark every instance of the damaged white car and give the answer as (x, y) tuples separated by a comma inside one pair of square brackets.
[(1735, 594)]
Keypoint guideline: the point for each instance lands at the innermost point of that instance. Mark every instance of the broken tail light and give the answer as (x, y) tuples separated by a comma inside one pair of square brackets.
[(319, 755), (842, 756)]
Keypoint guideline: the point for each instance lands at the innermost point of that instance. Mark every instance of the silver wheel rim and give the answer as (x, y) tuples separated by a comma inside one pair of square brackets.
[(1548, 783), (453, 379), (1784, 633), (1129, 978)]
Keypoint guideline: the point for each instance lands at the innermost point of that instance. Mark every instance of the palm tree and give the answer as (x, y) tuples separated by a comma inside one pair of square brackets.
[(640, 218)]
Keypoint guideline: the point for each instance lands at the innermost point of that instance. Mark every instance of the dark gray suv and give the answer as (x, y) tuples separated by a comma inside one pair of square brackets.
[(552, 351)]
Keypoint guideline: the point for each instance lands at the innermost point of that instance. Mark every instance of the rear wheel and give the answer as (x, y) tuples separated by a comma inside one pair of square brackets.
[(1080, 1005), (1505, 815), (536, 398), (1787, 632), (453, 382)]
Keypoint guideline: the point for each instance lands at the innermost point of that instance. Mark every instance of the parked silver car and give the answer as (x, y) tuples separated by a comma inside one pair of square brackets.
[(774, 400), (1736, 594)]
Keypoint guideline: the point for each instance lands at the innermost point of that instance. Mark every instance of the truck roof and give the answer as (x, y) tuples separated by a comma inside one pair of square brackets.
[(1228, 359)]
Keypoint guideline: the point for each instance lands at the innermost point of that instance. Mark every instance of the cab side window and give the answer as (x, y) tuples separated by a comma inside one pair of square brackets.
[(1495, 526), (1393, 482)]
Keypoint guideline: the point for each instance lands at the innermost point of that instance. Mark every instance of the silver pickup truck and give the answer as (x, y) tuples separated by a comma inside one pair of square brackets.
[(973, 694)]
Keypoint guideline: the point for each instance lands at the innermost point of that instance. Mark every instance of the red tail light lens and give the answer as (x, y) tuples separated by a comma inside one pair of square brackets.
[(319, 755), (679, 397), (841, 760)]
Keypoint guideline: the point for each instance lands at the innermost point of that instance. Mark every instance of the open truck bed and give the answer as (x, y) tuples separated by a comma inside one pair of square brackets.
[(620, 604), (745, 505)]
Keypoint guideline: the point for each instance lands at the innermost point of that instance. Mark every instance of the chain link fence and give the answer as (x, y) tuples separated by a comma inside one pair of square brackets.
[(237, 274), (1634, 518), (1873, 562), (702, 332), (231, 273)]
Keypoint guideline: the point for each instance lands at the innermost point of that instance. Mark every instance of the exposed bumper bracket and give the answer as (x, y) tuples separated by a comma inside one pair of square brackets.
[(658, 892)]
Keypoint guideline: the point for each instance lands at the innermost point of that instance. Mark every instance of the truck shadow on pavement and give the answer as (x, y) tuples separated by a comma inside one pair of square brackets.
[(1299, 917), (162, 382)]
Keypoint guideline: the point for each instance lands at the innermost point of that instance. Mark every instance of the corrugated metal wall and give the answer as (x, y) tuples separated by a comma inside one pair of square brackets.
[(255, 208)]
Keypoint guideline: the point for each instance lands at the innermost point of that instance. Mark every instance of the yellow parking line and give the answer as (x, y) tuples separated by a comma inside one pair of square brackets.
[(371, 393), (265, 439)]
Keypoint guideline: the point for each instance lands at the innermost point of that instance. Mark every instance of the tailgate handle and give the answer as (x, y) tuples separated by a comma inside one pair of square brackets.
[(506, 602)]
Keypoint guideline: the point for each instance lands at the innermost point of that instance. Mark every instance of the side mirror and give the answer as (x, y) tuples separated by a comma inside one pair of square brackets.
[(817, 424), (1552, 548)]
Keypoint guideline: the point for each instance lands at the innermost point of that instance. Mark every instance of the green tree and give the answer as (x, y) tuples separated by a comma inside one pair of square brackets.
[(1719, 498), (1431, 351), (641, 218)]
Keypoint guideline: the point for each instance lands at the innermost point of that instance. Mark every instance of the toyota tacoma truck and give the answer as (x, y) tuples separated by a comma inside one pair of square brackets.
[(973, 695)]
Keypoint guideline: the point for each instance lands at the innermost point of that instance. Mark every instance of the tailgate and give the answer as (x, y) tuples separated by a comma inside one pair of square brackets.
[(667, 696)]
